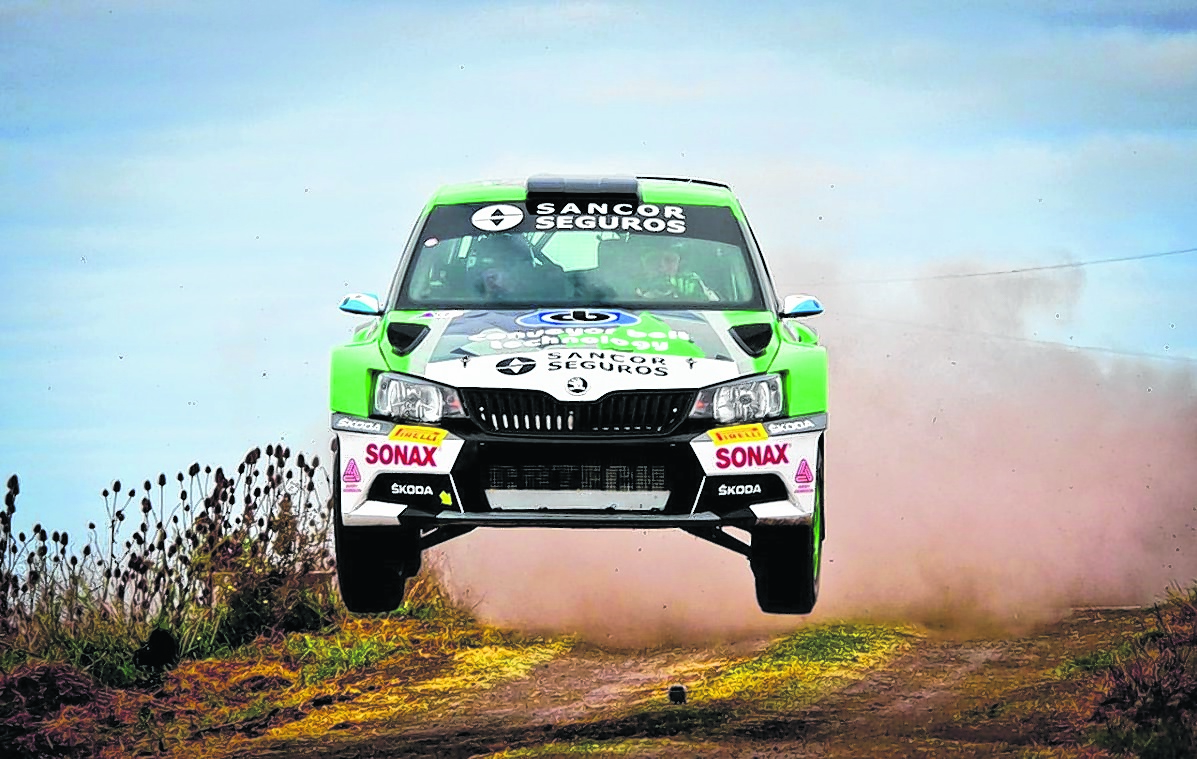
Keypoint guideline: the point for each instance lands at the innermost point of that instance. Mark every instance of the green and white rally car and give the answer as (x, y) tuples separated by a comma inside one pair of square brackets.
[(586, 352)]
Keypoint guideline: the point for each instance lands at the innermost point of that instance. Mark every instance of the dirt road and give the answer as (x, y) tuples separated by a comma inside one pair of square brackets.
[(918, 692)]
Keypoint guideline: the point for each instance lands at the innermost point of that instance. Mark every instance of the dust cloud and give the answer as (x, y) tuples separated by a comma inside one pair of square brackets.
[(972, 480)]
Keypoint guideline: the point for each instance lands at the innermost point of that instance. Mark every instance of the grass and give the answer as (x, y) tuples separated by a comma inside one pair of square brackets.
[(482, 668), (323, 658), (1096, 662), (810, 660)]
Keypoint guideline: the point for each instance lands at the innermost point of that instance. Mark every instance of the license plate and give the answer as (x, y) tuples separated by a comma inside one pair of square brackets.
[(590, 500)]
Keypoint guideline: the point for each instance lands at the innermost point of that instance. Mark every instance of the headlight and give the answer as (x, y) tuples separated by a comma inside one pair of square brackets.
[(740, 401), (401, 397)]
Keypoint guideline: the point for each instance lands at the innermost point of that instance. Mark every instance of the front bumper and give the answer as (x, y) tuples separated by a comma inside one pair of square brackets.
[(428, 478)]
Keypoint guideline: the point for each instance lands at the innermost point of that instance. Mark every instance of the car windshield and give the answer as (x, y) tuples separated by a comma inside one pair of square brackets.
[(635, 256)]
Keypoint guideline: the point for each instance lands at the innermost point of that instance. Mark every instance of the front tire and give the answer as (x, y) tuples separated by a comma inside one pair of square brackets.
[(373, 566), (785, 562), (373, 563)]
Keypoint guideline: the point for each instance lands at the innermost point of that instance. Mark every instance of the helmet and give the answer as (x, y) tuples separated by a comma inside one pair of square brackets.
[(497, 263), (504, 251)]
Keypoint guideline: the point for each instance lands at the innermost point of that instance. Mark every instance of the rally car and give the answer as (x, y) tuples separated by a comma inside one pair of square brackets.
[(580, 352)]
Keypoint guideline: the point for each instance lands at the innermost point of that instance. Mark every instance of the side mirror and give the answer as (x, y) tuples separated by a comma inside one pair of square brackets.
[(801, 305), (365, 304)]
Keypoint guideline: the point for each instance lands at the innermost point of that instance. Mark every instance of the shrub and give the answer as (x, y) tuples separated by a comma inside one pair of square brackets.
[(1150, 698), (228, 559)]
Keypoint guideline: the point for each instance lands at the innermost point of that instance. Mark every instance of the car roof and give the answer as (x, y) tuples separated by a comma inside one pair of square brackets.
[(677, 190)]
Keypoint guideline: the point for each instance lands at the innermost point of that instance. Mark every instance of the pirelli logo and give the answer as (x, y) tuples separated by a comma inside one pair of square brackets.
[(422, 435), (741, 433)]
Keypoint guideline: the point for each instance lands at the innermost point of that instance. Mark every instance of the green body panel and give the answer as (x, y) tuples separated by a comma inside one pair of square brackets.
[(795, 353), (353, 367), (804, 363)]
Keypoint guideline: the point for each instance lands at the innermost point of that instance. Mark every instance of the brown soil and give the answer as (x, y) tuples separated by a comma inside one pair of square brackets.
[(949, 695)]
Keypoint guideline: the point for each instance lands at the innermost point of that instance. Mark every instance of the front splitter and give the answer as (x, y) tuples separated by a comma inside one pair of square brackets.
[(375, 513), (437, 527)]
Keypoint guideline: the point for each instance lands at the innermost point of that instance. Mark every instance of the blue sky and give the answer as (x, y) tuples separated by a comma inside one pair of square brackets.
[(188, 188)]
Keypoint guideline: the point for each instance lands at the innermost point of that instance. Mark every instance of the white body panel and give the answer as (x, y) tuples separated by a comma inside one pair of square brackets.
[(372, 514), (750, 449), (602, 372), (407, 448)]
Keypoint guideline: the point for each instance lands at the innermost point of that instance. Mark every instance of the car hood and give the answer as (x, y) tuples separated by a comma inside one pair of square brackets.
[(575, 354)]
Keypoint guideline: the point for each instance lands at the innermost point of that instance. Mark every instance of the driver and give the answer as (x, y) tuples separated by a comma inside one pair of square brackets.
[(502, 266), (663, 280)]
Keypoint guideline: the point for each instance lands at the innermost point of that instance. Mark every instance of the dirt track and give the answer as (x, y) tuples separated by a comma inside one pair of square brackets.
[(944, 695)]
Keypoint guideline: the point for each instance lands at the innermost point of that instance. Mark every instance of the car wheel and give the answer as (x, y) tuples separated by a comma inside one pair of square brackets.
[(373, 563), (785, 562)]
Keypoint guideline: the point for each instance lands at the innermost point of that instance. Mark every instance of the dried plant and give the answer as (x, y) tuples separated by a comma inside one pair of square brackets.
[(217, 562), (1149, 706)]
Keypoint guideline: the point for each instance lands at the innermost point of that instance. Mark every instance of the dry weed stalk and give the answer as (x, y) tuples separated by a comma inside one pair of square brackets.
[(225, 560)]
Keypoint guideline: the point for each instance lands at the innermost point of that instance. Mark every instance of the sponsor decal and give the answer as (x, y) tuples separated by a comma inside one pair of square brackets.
[(625, 217), (582, 337), (735, 489), (576, 385), (404, 489), (803, 478), (351, 477), (441, 314), (577, 317), (497, 218), (412, 434), (515, 366), (752, 455), (607, 361), (747, 489), (412, 488), (407, 455), (357, 425), (792, 425), (741, 433)]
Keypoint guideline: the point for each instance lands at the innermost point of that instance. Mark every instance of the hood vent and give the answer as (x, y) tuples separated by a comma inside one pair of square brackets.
[(753, 338), (405, 337)]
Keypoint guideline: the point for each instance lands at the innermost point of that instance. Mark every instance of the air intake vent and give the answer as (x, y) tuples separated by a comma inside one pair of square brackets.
[(753, 338), (405, 337)]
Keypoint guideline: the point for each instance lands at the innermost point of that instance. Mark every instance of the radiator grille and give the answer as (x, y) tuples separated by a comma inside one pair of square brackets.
[(532, 412)]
